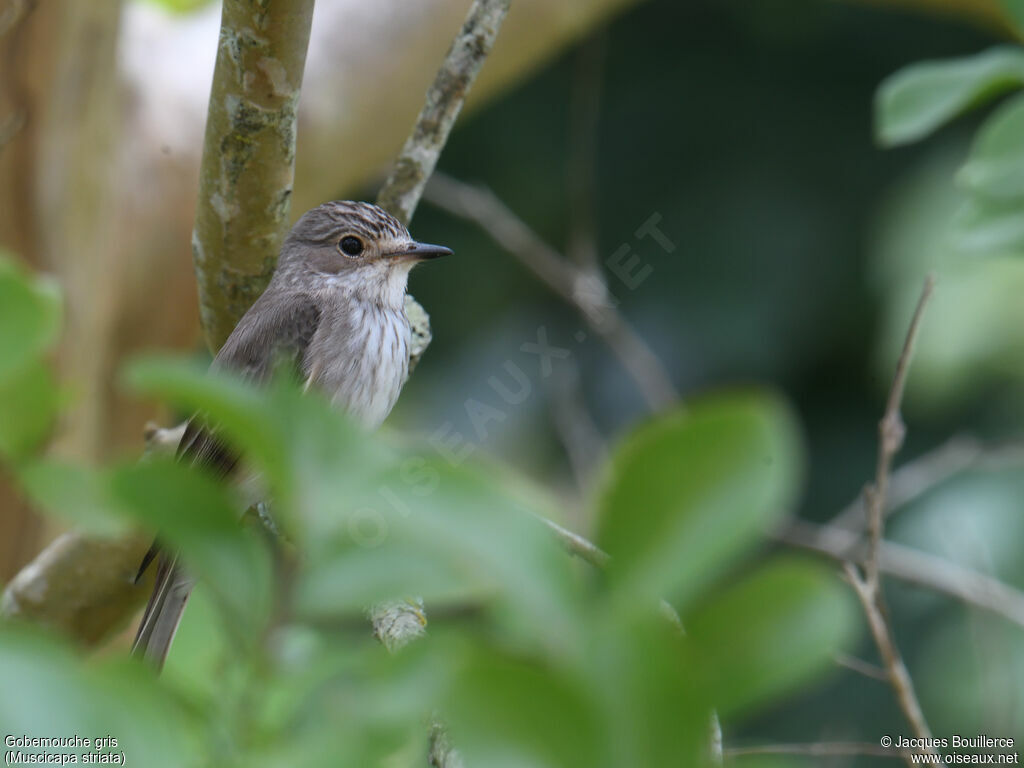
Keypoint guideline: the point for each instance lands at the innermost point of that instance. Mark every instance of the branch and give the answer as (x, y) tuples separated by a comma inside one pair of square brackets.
[(912, 566), (867, 585), (396, 623), (861, 667), (891, 432), (896, 670), (248, 164), (441, 752), (577, 545), (582, 289), (584, 445), (917, 477), (85, 586), (81, 586), (402, 191)]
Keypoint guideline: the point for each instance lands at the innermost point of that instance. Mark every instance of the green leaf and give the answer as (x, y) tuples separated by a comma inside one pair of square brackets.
[(196, 514), (506, 711), (181, 6), (28, 404), (653, 711), (418, 526), (990, 228), (80, 495), (239, 410), (1014, 11), (691, 491), (48, 692), (995, 166), (29, 317), (920, 98), (773, 631)]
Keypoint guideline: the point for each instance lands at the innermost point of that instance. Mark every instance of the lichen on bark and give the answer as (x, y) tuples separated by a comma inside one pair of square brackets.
[(248, 165)]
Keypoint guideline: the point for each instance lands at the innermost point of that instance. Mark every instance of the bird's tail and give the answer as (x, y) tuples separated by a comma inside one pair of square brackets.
[(166, 605)]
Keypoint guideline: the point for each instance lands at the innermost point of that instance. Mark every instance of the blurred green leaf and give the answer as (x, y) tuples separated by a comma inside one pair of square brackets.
[(506, 711), (202, 665), (995, 166), (80, 495), (329, 699), (915, 101), (28, 405), (180, 6), (373, 521), (964, 348), (196, 514), (49, 692), (1014, 11), (990, 228), (29, 317), (690, 491), (420, 526), (239, 410), (771, 632), (654, 712), (768, 761)]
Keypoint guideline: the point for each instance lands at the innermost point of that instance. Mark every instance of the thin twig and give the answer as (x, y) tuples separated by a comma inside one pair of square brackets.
[(915, 478), (402, 191), (586, 292), (715, 739), (577, 545), (899, 677), (860, 666), (403, 188), (891, 432), (819, 749), (867, 585), (400, 195), (910, 565), (442, 754), (584, 445)]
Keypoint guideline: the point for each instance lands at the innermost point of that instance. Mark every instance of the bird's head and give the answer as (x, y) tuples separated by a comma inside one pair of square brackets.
[(358, 246)]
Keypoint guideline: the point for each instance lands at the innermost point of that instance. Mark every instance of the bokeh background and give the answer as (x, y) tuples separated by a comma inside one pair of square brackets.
[(800, 247)]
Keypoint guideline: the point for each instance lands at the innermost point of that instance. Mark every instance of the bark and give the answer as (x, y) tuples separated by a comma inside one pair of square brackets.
[(25, 75), (248, 165), (83, 587), (58, 145)]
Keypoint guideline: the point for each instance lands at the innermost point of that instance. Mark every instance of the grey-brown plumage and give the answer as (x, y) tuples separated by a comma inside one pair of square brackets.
[(335, 311)]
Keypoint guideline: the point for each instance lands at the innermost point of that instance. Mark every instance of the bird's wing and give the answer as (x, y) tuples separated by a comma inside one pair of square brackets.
[(273, 334), (277, 332)]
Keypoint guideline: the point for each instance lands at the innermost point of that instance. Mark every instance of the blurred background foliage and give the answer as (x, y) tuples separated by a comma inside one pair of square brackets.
[(800, 247)]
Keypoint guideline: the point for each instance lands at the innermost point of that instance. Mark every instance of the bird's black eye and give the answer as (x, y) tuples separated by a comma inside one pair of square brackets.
[(351, 246)]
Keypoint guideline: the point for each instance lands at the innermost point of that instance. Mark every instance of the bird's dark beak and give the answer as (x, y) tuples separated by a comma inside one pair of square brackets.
[(424, 251)]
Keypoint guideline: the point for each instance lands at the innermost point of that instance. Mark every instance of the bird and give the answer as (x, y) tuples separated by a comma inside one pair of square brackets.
[(334, 310)]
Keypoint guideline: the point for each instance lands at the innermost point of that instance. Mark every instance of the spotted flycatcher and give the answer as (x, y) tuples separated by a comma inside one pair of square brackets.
[(335, 309)]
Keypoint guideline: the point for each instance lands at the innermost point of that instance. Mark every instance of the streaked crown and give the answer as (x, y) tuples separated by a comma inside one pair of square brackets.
[(321, 225)]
